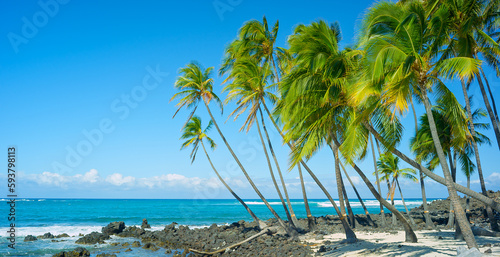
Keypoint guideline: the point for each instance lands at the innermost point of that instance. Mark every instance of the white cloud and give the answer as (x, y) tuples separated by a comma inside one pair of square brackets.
[(92, 176), (167, 181), (117, 179), (493, 179)]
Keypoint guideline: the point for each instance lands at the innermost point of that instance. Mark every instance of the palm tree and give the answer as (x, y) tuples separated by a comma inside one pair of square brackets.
[(196, 85), (304, 84), (255, 47), (194, 136), (249, 84), (389, 167), (470, 22), (402, 47), (451, 123)]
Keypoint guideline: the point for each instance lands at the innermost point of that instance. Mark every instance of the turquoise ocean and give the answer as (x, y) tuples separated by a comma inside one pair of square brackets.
[(82, 216)]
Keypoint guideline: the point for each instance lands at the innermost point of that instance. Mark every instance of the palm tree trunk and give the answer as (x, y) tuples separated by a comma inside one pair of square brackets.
[(338, 177), (382, 214), (451, 215), (391, 192), (280, 221), (428, 221), (272, 173), (311, 223), (489, 109), (478, 196), (370, 221), (491, 94), (467, 201), (409, 234), (255, 218), (352, 220), (294, 220), (404, 204), (491, 216), (459, 211), (350, 236)]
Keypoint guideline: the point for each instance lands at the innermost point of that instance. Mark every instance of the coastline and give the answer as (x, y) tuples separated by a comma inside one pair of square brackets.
[(129, 239)]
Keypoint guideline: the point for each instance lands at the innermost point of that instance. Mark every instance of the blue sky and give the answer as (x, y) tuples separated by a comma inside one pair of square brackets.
[(94, 79)]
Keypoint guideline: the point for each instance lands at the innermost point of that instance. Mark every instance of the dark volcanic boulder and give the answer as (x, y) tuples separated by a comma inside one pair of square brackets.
[(29, 238), (93, 238), (47, 235), (114, 228), (79, 251), (145, 224), (132, 232), (62, 235)]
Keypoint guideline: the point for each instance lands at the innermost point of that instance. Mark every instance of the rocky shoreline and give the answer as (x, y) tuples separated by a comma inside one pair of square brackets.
[(178, 240)]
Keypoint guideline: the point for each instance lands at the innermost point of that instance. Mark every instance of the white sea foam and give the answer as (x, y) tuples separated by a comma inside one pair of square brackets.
[(54, 230), (261, 203), (371, 203)]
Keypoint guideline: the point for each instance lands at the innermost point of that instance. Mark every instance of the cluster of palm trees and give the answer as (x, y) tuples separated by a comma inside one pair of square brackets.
[(316, 93)]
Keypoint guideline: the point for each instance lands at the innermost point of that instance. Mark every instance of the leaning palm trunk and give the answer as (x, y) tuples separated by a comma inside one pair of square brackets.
[(459, 211), (280, 221), (404, 204), (409, 233), (451, 215), (382, 214), (491, 94), (311, 223), (370, 221), (352, 220), (255, 218), (478, 196), (350, 236), (272, 173), (493, 118), (338, 177), (390, 193), (428, 221), (491, 216), (294, 220)]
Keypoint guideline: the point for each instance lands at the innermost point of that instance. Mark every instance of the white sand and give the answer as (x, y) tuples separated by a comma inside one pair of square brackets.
[(387, 244)]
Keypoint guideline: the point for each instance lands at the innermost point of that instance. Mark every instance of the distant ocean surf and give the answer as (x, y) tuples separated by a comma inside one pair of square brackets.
[(82, 216)]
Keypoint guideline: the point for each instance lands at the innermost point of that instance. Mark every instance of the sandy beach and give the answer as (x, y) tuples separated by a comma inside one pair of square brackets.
[(430, 243)]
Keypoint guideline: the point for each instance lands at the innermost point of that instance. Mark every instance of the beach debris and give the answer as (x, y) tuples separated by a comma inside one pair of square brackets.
[(145, 224), (114, 228), (462, 251), (79, 251), (30, 238), (262, 232), (479, 231)]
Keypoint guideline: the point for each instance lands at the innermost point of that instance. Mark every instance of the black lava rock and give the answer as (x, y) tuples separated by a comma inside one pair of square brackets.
[(114, 228)]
